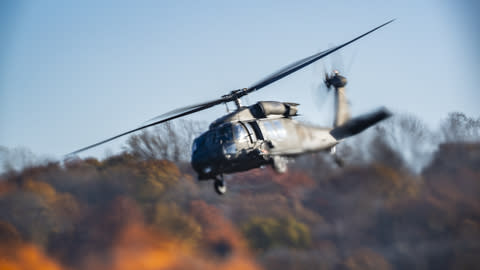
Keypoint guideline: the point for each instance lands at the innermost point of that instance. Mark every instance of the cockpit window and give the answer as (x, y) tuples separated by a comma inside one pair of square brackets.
[(239, 132), (224, 134)]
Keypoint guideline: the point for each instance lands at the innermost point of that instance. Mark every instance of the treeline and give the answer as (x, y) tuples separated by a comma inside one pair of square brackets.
[(407, 198)]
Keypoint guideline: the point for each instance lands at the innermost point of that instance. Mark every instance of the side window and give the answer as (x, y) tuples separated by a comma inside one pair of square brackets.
[(239, 132)]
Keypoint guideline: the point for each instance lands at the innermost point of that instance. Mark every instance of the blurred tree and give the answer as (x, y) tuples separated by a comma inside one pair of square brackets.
[(402, 142), (452, 179), (467, 246), (408, 137), (64, 204), (314, 216), (365, 259), (93, 162), (31, 215), (170, 218), (170, 140), (266, 233), (460, 128), (9, 236), (220, 238), (153, 177), (16, 159), (293, 259)]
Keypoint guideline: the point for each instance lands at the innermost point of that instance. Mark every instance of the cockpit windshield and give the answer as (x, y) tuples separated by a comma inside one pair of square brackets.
[(224, 134)]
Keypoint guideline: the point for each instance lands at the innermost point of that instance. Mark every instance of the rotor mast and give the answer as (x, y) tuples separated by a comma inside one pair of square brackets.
[(235, 96), (238, 103)]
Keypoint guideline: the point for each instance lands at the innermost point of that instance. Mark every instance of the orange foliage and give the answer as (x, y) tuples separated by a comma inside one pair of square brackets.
[(139, 247), (9, 236), (266, 180), (365, 258), (62, 203), (125, 213), (293, 180), (26, 257), (5, 186), (224, 240), (136, 247), (217, 229)]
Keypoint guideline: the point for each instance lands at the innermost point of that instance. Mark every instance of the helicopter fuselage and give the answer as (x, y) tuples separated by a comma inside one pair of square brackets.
[(265, 133), (255, 136)]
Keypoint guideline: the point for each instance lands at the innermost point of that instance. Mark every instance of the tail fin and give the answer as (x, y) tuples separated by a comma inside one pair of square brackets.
[(360, 123), (342, 112), (338, 81)]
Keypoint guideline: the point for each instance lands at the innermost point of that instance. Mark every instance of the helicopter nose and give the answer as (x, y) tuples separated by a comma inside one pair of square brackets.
[(207, 170), (206, 159)]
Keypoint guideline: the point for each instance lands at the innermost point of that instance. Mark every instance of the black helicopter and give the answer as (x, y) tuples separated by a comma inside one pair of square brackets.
[(265, 133)]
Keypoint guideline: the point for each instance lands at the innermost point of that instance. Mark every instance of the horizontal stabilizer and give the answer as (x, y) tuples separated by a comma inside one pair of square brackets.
[(360, 123)]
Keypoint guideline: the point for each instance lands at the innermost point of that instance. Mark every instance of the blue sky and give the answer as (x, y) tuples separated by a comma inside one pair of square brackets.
[(74, 73)]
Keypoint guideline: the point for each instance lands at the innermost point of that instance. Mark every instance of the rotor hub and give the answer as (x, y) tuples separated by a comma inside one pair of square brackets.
[(336, 81)]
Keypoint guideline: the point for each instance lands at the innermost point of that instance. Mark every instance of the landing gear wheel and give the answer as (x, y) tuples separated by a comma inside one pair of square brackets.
[(279, 164), (220, 186)]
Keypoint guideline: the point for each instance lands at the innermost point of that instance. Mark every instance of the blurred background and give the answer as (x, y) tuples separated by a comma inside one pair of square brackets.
[(72, 74)]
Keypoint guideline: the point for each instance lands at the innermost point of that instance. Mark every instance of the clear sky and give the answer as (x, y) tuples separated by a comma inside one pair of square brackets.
[(76, 72)]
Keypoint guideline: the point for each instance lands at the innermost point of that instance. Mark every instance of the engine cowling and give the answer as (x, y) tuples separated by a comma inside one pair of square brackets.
[(266, 108)]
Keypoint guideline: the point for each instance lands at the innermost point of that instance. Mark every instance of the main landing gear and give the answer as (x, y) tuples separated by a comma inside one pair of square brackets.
[(339, 161), (220, 185), (279, 164)]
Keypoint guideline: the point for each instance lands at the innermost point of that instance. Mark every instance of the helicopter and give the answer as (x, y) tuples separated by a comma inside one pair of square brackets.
[(266, 132)]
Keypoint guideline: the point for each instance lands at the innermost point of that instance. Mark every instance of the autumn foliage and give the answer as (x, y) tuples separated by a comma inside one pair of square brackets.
[(139, 210)]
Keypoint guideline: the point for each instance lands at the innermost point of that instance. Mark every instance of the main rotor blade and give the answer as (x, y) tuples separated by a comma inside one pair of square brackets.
[(203, 105), (304, 62), (168, 116)]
